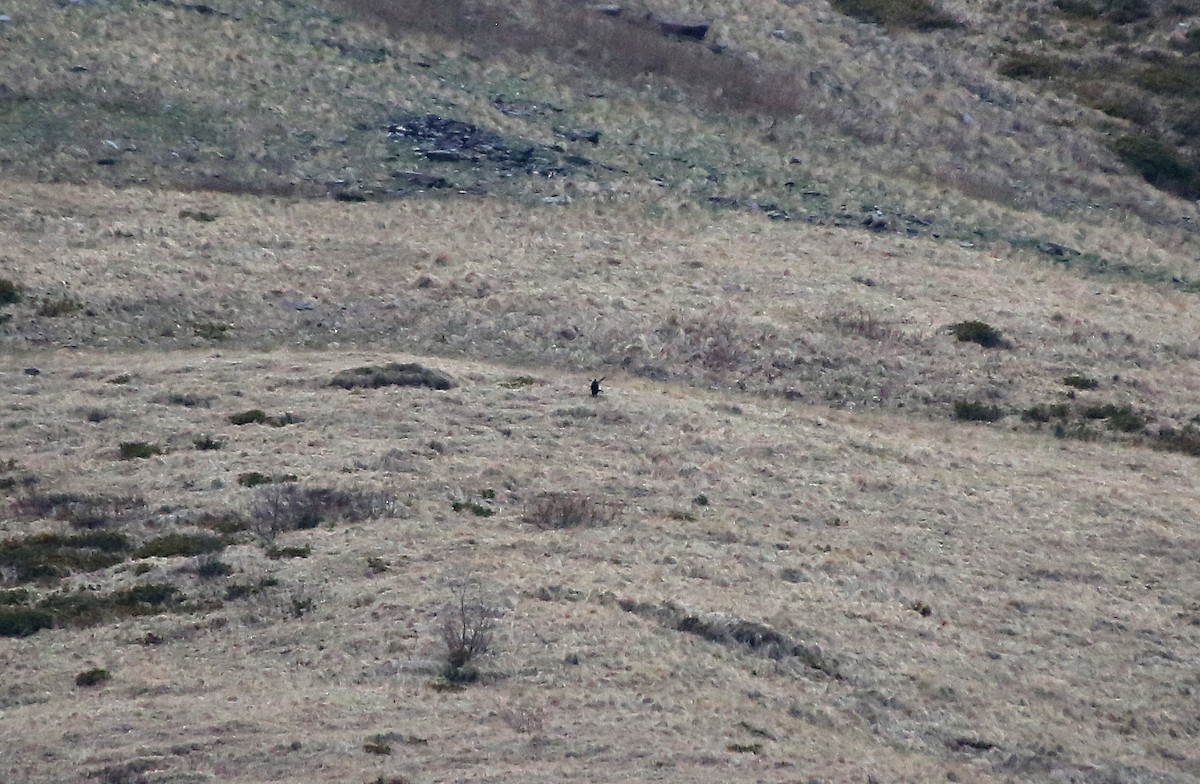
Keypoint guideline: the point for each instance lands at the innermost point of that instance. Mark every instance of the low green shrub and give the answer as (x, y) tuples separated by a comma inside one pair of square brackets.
[(10, 292), (253, 479), (1122, 419), (280, 553), (211, 567), (253, 416), (473, 507), (93, 677), (180, 544), (975, 411), (1045, 412), (23, 621), (138, 450), (49, 557), (256, 416), (207, 443), (1080, 382), (978, 332)]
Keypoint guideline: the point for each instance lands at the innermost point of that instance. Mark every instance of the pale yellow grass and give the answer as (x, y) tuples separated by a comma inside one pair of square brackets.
[(601, 288), (1060, 579)]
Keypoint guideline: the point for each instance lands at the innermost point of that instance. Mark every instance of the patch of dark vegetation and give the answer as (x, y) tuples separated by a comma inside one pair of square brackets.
[(179, 545), (1041, 414), (246, 590), (745, 748), (13, 478), (1122, 419), (289, 507), (210, 567), (58, 306), (1026, 66), (256, 416), (97, 415), (398, 374), (280, 553), (211, 330), (198, 215), (88, 608), (556, 511), (975, 411), (81, 510), (129, 773), (23, 621), (1184, 440), (920, 15), (227, 523), (50, 557), (188, 400), (138, 450), (978, 332), (749, 636), (1077, 381), (473, 507), (1159, 164), (207, 443), (256, 478), (10, 293), (94, 677)]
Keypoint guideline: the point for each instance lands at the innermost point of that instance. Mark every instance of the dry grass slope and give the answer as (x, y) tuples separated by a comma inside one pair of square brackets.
[(300, 488)]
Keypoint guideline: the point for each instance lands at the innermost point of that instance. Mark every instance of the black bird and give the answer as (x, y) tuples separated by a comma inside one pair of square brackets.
[(596, 386)]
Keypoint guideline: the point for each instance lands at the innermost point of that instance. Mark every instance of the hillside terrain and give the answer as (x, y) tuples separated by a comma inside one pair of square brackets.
[(892, 473)]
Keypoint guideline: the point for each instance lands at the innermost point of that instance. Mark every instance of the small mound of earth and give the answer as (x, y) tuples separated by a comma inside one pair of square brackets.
[(393, 374)]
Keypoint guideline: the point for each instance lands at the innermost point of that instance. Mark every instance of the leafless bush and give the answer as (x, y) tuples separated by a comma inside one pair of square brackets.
[(861, 322), (570, 510), (468, 629), (289, 507)]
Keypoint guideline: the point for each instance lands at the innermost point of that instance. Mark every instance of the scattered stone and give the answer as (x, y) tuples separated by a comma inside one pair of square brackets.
[(422, 179), (693, 31), (446, 140), (1054, 249), (608, 9), (590, 135)]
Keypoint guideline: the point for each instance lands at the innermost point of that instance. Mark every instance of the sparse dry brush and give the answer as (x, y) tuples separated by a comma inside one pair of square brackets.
[(558, 511), (468, 625)]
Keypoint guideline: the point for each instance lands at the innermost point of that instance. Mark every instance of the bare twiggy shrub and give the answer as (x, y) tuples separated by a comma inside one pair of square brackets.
[(861, 322), (468, 628), (288, 507), (570, 510)]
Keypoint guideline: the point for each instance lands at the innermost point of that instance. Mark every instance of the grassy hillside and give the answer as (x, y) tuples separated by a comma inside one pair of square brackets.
[(893, 474)]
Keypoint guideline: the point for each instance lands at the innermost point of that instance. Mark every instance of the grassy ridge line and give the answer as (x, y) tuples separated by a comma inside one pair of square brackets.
[(312, 94), (785, 309)]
